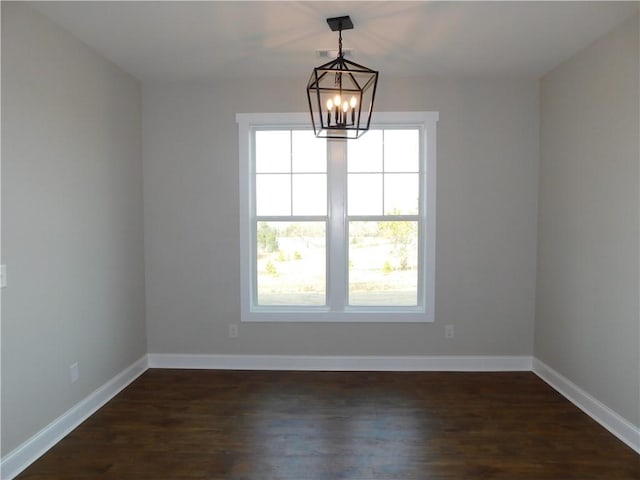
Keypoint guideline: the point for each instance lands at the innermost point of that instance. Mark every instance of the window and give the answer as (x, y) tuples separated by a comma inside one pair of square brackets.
[(335, 230)]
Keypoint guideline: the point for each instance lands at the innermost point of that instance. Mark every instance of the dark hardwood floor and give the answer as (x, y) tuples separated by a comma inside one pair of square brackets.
[(186, 424)]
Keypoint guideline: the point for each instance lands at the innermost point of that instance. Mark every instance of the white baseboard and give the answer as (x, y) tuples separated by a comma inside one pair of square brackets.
[(27, 453), (20, 458), (471, 363), (618, 426)]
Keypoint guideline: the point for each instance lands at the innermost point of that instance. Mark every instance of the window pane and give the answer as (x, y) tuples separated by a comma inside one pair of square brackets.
[(310, 194), (383, 263), (291, 263), (273, 151), (401, 150), (364, 192), (309, 152), (273, 194), (401, 193), (365, 153)]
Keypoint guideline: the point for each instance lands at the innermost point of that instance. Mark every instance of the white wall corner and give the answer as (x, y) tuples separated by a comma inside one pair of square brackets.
[(617, 425), (24, 455)]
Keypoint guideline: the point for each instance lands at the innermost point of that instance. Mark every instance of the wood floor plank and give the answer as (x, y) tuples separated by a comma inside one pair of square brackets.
[(242, 425)]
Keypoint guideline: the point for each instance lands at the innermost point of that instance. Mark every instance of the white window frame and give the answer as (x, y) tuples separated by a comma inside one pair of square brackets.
[(336, 311)]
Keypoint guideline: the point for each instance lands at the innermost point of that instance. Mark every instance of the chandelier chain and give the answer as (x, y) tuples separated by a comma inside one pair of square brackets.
[(338, 76)]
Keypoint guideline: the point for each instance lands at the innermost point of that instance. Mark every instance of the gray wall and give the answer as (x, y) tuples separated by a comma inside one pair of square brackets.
[(72, 216), (587, 279), (486, 220), (71, 222)]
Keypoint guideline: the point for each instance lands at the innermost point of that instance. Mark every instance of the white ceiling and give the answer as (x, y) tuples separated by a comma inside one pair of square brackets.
[(173, 41)]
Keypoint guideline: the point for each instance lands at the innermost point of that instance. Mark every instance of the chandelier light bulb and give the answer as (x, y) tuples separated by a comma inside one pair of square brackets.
[(329, 104), (336, 100), (354, 102)]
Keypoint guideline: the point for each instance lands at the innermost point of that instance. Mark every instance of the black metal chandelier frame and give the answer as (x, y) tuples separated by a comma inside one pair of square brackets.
[(341, 93)]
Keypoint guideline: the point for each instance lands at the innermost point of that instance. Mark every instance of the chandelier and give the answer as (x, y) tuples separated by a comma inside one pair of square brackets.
[(341, 93)]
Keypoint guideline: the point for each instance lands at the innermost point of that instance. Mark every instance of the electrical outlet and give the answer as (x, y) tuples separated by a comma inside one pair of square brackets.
[(74, 372), (233, 330), (448, 331)]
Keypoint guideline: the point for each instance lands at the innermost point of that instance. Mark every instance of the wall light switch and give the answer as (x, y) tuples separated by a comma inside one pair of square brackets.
[(3, 276), (448, 331), (74, 372)]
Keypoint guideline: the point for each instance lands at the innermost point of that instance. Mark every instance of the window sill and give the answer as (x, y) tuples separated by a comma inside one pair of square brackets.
[(361, 315)]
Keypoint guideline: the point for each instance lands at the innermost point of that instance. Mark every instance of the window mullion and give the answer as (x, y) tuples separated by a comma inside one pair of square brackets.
[(337, 256)]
